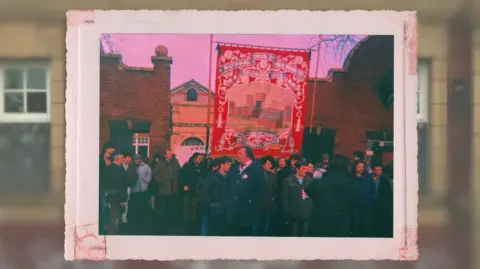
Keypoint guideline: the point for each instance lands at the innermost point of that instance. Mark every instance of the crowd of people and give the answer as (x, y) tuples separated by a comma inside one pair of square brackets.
[(245, 196)]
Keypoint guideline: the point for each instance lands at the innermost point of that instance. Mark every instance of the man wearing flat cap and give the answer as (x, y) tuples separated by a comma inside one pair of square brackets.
[(139, 198)]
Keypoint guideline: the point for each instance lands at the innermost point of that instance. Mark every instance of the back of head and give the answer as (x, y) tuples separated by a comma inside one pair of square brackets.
[(359, 154), (340, 163)]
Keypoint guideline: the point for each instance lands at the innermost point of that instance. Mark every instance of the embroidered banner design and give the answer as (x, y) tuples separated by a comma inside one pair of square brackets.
[(260, 100)]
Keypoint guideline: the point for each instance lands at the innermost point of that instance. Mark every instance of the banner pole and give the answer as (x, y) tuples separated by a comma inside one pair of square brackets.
[(315, 84), (207, 142)]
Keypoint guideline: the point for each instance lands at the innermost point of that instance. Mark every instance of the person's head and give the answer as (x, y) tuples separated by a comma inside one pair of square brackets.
[(156, 157), (137, 158), (168, 154), (268, 163), (282, 162), (310, 168), (118, 158), (358, 156), (301, 168), (245, 154), (358, 168), (127, 158), (325, 159), (214, 164), (294, 159), (340, 162), (197, 158), (377, 170), (224, 164), (108, 149)]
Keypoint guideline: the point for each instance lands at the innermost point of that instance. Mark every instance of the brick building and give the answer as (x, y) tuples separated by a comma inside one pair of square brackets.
[(135, 111), (353, 105)]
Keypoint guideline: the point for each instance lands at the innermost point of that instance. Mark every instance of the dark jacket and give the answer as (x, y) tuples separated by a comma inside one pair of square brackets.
[(282, 174), (362, 215), (116, 184), (215, 193), (383, 208), (272, 192), (246, 193), (166, 176), (103, 173), (294, 205), (131, 175), (333, 198), (190, 176)]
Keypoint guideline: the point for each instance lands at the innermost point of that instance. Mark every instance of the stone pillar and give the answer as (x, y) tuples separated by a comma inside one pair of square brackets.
[(476, 155), (459, 136)]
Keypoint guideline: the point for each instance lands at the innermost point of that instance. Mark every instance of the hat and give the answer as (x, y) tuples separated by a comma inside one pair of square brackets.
[(137, 156)]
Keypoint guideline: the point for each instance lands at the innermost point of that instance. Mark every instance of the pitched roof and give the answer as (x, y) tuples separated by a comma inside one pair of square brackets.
[(189, 84)]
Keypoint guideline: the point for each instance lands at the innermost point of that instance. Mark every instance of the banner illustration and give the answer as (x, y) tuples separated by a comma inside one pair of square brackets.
[(260, 100)]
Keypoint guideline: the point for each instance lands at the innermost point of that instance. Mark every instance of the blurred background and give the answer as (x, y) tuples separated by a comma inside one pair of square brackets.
[(32, 147)]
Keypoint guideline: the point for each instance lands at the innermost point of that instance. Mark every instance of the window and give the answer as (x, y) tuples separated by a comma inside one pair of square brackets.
[(192, 95), (192, 141), (141, 144), (424, 84), (24, 92), (423, 90)]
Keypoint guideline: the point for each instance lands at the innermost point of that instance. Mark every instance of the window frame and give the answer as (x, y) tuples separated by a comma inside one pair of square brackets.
[(136, 143), (191, 90), (423, 89), (192, 137), (25, 117)]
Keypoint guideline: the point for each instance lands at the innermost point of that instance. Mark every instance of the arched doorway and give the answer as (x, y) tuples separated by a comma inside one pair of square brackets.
[(192, 141)]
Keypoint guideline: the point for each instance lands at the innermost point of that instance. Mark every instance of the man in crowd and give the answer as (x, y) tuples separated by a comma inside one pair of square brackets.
[(138, 204), (333, 197), (383, 203), (166, 174), (190, 176), (213, 166), (116, 191), (296, 203), (246, 194), (105, 162), (270, 208), (215, 196), (322, 167)]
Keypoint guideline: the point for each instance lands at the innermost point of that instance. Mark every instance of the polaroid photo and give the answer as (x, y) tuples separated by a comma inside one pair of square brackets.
[(259, 135)]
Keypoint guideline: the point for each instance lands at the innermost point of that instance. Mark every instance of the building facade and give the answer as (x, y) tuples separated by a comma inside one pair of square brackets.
[(189, 115), (353, 106), (135, 112), (33, 37)]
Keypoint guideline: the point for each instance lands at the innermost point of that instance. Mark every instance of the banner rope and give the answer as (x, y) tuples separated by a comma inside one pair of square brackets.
[(315, 85), (263, 47)]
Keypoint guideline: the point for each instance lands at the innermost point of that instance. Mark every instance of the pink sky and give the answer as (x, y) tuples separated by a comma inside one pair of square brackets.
[(190, 52)]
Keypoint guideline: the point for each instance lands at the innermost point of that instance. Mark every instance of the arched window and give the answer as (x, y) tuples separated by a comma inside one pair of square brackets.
[(192, 141), (192, 95)]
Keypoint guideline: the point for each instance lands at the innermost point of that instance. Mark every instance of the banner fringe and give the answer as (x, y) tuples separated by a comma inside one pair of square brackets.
[(263, 47)]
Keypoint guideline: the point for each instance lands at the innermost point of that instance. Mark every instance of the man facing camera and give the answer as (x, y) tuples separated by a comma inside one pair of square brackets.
[(247, 190)]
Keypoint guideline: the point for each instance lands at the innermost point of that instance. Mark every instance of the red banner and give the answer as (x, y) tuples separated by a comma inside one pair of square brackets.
[(260, 100)]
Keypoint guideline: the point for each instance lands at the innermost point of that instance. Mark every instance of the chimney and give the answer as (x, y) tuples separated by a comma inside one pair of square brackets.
[(161, 61)]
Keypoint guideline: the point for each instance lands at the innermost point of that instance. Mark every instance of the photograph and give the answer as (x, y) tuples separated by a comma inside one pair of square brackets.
[(219, 139)]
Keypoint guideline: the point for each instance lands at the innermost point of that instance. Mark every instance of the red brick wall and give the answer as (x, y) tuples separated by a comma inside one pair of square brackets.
[(139, 93), (348, 101)]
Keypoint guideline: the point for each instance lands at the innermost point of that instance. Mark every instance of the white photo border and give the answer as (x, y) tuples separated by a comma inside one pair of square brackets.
[(82, 143)]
